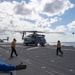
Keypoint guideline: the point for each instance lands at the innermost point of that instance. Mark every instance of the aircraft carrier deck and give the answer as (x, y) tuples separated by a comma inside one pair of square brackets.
[(40, 60)]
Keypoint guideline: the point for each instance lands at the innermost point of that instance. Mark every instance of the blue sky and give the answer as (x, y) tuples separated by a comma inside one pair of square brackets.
[(43, 15)]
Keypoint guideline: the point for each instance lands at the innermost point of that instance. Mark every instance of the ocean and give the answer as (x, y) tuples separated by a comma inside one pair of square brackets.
[(63, 43)]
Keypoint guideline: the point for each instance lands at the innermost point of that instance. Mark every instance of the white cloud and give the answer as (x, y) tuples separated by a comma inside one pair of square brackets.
[(71, 26), (55, 19), (48, 7), (61, 28), (45, 24), (12, 13), (57, 7), (22, 9), (6, 8)]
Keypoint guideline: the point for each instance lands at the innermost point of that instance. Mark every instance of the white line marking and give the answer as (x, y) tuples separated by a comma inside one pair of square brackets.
[(58, 73), (32, 48), (27, 61), (50, 73), (43, 67), (37, 56), (52, 60), (71, 70)]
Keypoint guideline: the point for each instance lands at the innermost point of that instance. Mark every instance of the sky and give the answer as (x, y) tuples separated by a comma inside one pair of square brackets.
[(40, 15)]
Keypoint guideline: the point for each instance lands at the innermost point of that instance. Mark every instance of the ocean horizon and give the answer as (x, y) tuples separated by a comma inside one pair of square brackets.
[(54, 43), (63, 43)]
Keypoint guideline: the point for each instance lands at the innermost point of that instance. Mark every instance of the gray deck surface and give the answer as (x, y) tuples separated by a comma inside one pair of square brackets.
[(40, 60)]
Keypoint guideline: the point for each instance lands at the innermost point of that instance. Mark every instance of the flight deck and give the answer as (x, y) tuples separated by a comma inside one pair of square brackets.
[(40, 60)]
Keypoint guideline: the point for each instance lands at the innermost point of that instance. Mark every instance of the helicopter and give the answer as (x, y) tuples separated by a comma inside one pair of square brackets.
[(2, 40), (34, 37)]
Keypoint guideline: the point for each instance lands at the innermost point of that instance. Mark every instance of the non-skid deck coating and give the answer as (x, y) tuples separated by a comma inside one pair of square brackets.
[(40, 60)]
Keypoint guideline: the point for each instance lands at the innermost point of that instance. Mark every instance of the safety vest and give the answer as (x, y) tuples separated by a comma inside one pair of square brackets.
[(59, 45), (13, 44)]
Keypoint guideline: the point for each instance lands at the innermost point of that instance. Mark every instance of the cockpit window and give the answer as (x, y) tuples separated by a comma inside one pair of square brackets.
[(36, 35), (30, 35)]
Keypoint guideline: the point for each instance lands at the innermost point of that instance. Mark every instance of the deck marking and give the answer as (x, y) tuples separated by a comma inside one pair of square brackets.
[(27, 61), (71, 70), (37, 56), (43, 67), (52, 60), (50, 73), (32, 48), (58, 73)]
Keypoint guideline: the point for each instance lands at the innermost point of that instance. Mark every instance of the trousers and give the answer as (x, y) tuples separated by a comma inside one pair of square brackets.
[(13, 51), (59, 50)]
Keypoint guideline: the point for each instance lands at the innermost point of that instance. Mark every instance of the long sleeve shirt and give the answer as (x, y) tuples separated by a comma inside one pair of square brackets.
[(6, 67)]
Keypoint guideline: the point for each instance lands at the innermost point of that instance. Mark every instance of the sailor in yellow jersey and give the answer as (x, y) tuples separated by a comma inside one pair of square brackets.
[(59, 48), (13, 45)]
